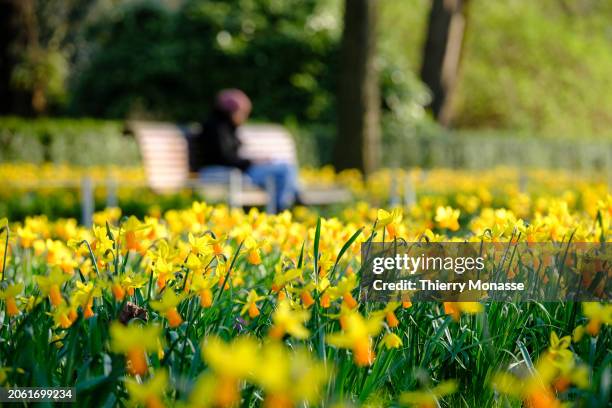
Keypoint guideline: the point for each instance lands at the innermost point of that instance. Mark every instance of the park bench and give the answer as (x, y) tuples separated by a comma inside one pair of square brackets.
[(165, 158)]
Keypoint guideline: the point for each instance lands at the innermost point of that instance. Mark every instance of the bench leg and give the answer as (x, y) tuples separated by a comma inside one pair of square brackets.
[(87, 201), (271, 190), (394, 199), (409, 192), (111, 193), (235, 189)]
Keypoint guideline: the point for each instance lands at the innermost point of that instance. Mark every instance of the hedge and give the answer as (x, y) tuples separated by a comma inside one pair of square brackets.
[(97, 142), (76, 141)]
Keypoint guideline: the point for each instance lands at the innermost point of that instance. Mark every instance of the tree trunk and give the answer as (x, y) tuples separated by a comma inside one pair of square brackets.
[(358, 140), (9, 29), (442, 54)]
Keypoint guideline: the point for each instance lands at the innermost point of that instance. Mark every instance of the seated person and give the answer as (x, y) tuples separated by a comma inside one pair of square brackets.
[(215, 149)]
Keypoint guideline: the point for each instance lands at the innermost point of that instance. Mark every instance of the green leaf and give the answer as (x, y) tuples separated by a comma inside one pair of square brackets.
[(344, 248)]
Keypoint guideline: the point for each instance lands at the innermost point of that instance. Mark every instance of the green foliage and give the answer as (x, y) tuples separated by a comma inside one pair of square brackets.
[(430, 147), (149, 59), (532, 68), (76, 141), (55, 203), (43, 49), (540, 68), (420, 143), (535, 67), (314, 142), (44, 72)]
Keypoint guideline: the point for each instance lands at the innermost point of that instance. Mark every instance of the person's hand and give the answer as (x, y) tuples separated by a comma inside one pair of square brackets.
[(263, 160)]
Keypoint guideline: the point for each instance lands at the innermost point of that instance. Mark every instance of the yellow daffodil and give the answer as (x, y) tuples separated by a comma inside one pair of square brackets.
[(102, 245), (598, 314), (447, 218), (391, 340), (305, 293), (26, 237), (283, 278), (51, 285), (149, 394), (134, 341), (288, 320), (288, 379), (199, 244), (356, 335), (203, 285), (84, 295), (167, 307), (558, 348), (253, 252), (231, 363), (536, 390), (64, 315), (428, 398), (250, 304), (578, 333), (325, 263), (217, 245), (134, 233), (343, 290), (9, 295), (201, 211), (389, 314), (110, 215), (390, 221), (59, 255), (454, 309)]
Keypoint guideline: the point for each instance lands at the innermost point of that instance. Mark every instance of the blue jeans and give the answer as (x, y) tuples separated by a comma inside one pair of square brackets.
[(285, 181), (283, 174)]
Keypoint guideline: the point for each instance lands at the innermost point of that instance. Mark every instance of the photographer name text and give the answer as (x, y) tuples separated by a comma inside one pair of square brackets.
[(437, 285)]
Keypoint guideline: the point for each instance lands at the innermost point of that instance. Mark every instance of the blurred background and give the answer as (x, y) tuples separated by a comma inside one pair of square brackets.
[(366, 84)]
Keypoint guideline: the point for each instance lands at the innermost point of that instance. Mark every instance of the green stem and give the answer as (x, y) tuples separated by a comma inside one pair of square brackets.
[(5, 249), (93, 257), (226, 277)]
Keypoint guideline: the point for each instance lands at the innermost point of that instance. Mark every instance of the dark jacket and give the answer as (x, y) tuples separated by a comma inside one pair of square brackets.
[(217, 144)]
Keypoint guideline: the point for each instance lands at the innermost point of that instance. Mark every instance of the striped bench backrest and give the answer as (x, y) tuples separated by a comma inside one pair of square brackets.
[(165, 158), (163, 149), (266, 141)]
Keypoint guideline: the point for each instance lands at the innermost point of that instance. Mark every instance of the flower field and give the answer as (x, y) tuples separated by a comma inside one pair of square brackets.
[(207, 306), (53, 190)]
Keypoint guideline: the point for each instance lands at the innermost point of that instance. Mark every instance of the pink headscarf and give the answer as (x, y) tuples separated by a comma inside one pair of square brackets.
[(231, 101)]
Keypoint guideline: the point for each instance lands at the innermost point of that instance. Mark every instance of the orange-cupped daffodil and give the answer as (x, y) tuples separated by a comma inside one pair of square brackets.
[(135, 341), (167, 306), (286, 319), (356, 335)]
